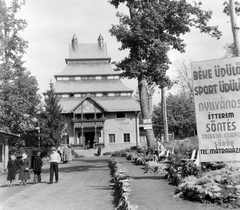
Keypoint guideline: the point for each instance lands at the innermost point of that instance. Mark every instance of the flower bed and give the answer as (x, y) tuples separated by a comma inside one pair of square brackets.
[(121, 184), (219, 186), (215, 182)]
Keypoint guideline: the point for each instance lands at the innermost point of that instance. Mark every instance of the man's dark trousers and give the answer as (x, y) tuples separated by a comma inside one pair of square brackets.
[(53, 169)]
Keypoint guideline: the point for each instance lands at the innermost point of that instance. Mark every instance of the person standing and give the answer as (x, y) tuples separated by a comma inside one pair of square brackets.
[(37, 168), (65, 154), (12, 169), (24, 174), (54, 160), (160, 151), (69, 155)]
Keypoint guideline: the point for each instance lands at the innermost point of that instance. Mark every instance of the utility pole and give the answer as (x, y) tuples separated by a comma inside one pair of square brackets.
[(164, 114), (235, 27)]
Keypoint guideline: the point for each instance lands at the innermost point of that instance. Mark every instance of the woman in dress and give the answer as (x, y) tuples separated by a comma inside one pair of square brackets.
[(12, 169), (69, 156), (24, 174)]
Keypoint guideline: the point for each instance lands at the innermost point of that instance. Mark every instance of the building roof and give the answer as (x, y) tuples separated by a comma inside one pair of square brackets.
[(85, 51), (110, 104), (6, 135), (88, 69), (90, 86)]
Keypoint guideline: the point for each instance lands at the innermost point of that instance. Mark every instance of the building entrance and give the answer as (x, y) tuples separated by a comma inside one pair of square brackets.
[(89, 139)]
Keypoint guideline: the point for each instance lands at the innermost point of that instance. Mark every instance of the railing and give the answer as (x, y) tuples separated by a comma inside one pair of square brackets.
[(75, 120)]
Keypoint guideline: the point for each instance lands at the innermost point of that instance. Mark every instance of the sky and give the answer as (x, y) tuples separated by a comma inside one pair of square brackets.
[(52, 23)]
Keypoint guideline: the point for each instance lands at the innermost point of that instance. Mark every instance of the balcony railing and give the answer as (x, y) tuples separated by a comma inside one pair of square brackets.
[(76, 120)]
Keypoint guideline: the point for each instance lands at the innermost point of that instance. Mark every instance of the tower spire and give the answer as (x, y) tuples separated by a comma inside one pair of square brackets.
[(74, 42), (100, 41)]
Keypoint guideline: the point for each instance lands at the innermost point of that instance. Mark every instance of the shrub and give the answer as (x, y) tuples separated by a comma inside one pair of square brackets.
[(178, 170)]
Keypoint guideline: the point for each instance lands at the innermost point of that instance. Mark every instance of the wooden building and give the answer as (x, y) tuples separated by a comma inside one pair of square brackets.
[(98, 108), (4, 148)]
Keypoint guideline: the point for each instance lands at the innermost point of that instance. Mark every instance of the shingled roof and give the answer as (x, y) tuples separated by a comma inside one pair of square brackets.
[(110, 104), (89, 51), (90, 86), (88, 69), (92, 60)]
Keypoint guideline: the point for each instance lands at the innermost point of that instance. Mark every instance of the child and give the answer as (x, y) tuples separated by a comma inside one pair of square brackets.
[(12, 169), (37, 168)]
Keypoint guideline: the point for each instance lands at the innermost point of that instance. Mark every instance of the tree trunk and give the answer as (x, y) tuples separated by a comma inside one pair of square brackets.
[(234, 27), (164, 114), (143, 94)]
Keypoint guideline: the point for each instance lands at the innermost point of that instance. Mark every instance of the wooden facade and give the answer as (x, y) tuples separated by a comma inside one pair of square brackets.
[(98, 108)]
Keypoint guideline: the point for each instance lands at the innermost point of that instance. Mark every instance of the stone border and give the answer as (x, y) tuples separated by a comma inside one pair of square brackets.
[(121, 185)]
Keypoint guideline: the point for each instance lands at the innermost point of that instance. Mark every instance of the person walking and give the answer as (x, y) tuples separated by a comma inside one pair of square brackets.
[(24, 174), (12, 167), (37, 168), (54, 160)]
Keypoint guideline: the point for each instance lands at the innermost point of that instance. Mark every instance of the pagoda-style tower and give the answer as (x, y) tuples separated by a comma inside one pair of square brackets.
[(97, 107)]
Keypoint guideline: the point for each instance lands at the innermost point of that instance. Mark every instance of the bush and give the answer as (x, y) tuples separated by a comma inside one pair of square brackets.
[(178, 170)]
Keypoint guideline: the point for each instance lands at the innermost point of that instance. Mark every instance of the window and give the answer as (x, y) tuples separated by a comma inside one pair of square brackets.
[(88, 116), (99, 115), (120, 115), (99, 94), (126, 137), (123, 94), (110, 94), (105, 94), (71, 95), (111, 138), (109, 77)]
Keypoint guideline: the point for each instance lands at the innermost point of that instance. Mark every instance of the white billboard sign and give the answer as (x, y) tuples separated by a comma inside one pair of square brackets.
[(216, 86)]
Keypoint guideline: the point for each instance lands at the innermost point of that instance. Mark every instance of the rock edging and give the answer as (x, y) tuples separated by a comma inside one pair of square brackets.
[(121, 185)]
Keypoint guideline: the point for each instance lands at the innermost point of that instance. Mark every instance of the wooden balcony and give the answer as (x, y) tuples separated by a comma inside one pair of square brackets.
[(84, 120)]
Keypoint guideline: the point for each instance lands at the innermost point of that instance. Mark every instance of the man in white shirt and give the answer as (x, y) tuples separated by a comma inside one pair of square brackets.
[(54, 160)]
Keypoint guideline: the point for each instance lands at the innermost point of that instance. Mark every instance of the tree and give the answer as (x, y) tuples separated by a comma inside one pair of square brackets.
[(230, 9), (18, 88), (150, 29), (184, 77), (180, 116), (50, 119)]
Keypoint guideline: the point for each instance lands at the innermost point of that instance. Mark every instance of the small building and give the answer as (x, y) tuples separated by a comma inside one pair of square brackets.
[(4, 150), (98, 108)]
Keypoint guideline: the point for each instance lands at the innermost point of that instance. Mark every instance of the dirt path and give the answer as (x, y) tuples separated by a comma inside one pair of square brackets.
[(83, 184), (152, 192)]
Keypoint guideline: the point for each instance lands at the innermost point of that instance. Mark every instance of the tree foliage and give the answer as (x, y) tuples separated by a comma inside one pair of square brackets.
[(18, 88), (50, 121), (180, 116), (150, 30)]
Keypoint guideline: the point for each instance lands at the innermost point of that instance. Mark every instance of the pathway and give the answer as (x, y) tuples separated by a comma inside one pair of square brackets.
[(84, 184)]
